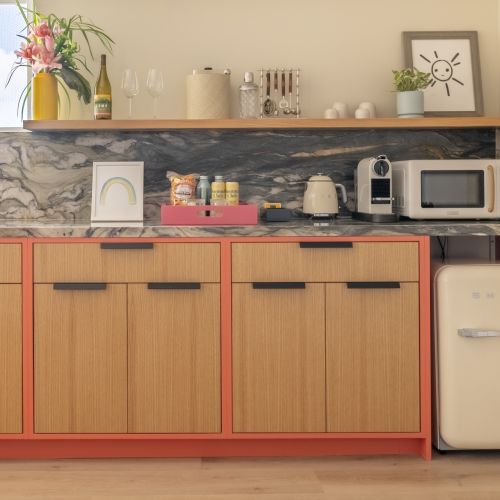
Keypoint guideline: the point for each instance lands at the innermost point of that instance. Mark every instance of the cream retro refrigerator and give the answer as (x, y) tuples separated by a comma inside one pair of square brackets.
[(467, 357)]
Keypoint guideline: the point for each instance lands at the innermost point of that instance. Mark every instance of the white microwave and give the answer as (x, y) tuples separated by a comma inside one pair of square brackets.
[(446, 189)]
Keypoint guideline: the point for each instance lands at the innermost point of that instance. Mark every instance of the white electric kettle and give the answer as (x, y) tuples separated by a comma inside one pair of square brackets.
[(320, 197)]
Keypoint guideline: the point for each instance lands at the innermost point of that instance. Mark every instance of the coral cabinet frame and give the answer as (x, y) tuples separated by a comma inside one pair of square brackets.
[(28, 444)]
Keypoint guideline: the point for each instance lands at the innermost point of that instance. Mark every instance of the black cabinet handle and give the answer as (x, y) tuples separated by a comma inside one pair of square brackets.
[(126, 246), (275, 285), (325, 244), (174, 286), (373, 284), (80, 286)]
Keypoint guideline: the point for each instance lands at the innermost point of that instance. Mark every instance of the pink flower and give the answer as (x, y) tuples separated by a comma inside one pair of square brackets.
[(49, 43), (45, 60), (42, 30), (36, 49), (26, 51)]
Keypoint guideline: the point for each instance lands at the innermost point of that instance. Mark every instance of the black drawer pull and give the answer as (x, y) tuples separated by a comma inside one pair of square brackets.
[(174, 286), (126, 246), (373, 284), (325, 244), (278, 285), (80, 286)]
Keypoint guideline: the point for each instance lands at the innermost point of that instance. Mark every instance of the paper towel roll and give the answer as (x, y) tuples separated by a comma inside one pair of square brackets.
[(208, 95)]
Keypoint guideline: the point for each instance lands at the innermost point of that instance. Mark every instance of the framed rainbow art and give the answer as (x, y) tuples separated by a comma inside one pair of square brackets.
[(117, 191)]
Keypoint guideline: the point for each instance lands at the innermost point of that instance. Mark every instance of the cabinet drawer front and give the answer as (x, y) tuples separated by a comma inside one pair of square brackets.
[(360, 261), (126, 262), (10, 263)]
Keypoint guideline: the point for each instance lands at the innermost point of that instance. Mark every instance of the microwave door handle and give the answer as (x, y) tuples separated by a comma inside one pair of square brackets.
[(477, 333), (491, 188)]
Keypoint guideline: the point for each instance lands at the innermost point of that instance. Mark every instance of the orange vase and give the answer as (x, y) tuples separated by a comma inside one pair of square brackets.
[(44, 90)]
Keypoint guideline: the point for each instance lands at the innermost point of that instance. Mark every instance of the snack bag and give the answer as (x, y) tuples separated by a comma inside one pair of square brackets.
[(182, 188)]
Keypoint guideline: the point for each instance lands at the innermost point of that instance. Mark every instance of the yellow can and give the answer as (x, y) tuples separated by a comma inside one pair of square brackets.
[(218, 188), (232, 193)]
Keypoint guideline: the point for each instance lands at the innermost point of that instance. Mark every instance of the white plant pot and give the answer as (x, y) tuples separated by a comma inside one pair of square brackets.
[(410, 104)]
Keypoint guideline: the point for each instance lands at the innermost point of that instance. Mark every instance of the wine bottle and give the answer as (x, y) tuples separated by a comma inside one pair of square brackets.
[(102, 94)]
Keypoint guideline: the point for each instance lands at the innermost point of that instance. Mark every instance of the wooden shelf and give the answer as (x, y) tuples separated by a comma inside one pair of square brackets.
[(266, 123)]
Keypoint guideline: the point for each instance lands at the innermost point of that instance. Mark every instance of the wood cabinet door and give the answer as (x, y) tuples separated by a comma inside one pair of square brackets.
[(80, 359), (278, 358), (174, 358), (372, 358), (10, 359)]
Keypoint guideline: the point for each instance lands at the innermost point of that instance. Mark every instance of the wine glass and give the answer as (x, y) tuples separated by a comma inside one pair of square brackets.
[(130, 87), (154, 84)]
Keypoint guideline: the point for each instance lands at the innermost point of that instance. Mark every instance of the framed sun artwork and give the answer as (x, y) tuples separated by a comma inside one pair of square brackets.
[(452, 59), (117, 191)]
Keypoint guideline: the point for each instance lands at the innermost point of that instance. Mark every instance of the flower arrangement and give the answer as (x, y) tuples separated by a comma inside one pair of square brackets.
[(49, 46), (411, 79)]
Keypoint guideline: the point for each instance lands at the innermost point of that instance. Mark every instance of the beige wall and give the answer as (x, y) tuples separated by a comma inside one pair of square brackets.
[(345, 48)]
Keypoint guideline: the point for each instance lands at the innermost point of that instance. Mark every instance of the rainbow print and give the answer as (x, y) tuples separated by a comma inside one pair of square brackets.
[(125, 183)]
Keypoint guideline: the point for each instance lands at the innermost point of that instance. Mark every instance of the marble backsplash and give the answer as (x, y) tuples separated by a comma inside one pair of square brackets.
[(48, 176)]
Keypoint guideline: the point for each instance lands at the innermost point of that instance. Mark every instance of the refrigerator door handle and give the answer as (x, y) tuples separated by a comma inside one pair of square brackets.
[(477, 333), (491, 188)]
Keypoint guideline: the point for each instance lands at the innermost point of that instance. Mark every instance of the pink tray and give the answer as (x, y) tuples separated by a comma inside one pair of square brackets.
[(240, 215)]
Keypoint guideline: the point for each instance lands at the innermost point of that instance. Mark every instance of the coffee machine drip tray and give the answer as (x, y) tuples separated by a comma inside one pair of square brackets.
[(375, 217), (322, 216)]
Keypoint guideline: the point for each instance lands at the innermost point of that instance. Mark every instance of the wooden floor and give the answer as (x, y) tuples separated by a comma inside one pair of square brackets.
[(462, 476)]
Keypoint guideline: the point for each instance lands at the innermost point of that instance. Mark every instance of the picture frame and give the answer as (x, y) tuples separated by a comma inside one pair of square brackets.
[(452, 58), (118, 191)]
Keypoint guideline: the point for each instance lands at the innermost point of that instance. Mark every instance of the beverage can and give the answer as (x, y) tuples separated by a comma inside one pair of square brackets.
[(233, 193), (218, 188)]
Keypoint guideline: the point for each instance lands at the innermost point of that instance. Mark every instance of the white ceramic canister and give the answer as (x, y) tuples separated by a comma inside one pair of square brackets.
[(208, 94), (331, 114), (341, 108), (362, 113), (369, 106)]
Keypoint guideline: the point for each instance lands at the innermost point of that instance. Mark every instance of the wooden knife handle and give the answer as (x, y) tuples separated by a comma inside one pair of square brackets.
[(290, 82), (283, 85)]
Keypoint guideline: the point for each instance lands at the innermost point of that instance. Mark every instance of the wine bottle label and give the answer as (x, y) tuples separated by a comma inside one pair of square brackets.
[(102, 106)]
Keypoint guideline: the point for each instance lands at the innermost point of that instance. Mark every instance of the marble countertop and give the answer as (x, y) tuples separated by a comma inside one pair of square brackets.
[(340, 227)]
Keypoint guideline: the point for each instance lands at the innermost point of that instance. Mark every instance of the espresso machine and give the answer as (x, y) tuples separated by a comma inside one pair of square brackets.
[(373, 187)]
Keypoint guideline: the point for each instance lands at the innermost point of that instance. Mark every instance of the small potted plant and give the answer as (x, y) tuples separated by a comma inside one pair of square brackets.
[(410, 84)]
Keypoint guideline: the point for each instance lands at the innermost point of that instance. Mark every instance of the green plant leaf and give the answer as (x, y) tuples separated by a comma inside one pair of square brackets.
[(22, 100), (13, 70), (63, 86), (88, 43), (83, 62), (23, 13), (77, 82)]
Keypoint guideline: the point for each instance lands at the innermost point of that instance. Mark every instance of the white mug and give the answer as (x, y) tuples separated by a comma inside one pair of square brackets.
[(341, 109), (331, 113), (369, 106), (362, 113)]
